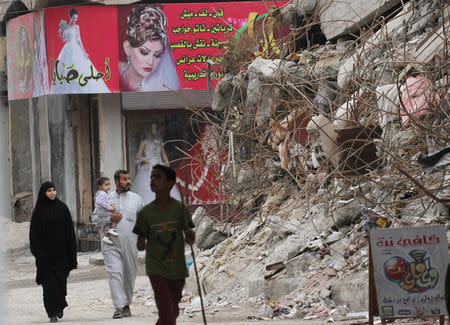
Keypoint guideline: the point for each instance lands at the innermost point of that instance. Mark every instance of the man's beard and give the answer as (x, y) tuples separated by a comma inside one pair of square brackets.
[(123, 189)]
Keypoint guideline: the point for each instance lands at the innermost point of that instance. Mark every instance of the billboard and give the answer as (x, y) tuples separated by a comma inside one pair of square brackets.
[(410, 266), (21, 53), (152, 47)]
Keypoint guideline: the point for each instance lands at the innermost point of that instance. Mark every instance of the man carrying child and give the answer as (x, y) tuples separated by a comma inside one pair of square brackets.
[(121, 257), (160, 226)]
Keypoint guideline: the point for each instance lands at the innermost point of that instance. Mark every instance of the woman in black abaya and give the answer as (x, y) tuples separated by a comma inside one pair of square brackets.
[(53, 244)]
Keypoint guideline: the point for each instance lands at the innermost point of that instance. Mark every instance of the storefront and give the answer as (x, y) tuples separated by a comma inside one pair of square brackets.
[(114, 87), (154, 118)]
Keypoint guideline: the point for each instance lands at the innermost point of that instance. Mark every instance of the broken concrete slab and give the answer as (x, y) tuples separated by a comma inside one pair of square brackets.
[(346, 212), (280, 226), (388, 102), (357, 63), (433, 43), (253, 90), (247, 233), (206, 234), (340, 18), (269, 69), (211, 240), (371, 48), (320, 125), (261, 98), (223, 94), (299, 265), (305, 7), (352, 290), (273, 288)]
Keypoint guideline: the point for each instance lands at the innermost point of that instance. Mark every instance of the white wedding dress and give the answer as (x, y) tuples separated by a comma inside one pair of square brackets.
[(72, 57), (141, 183)]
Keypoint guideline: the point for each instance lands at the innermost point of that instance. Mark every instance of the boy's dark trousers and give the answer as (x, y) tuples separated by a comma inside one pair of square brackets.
[(168, 294)]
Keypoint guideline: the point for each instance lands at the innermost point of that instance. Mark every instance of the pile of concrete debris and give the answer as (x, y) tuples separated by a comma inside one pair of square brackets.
[(321, 137), (14, 236)]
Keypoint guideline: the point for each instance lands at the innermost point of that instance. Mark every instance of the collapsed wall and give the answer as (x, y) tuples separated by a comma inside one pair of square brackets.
[(349, 119)]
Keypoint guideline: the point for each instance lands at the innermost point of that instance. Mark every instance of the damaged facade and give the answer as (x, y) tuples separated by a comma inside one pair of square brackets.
[(74, 138), (309, 138), (336, 128)]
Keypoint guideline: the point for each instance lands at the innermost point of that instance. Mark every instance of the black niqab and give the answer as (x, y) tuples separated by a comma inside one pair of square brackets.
[(52, 235)]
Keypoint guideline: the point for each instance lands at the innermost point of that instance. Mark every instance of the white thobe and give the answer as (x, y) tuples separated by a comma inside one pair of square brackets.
[(121, 258)]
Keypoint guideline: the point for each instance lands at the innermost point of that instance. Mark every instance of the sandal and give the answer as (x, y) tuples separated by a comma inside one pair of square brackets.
[(117, 314)]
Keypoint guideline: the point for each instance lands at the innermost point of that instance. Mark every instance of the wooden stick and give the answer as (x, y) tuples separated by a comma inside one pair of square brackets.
[(199, 289)]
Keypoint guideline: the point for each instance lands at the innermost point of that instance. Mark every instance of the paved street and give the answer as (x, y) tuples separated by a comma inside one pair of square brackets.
[(89, 300)]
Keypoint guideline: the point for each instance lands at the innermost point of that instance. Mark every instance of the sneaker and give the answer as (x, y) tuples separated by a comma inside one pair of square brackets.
[(60, 315), (113, 232), (53, 319), (107, 240), (117, 314), (126, 312)]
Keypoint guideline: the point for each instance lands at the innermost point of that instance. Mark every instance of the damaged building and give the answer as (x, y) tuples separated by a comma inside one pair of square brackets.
[(328, 113)]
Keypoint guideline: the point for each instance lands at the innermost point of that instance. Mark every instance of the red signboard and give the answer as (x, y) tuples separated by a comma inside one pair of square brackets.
[(82, 49), (19, 43), (100, 49)]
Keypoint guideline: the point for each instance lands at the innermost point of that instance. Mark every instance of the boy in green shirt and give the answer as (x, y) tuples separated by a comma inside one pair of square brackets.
[(160, 226)]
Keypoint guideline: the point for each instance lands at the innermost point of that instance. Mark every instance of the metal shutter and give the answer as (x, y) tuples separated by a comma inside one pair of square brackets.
[(167, 99)]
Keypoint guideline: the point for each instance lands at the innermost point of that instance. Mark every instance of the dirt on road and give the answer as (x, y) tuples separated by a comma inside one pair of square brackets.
[(89, 298), (90, 303)]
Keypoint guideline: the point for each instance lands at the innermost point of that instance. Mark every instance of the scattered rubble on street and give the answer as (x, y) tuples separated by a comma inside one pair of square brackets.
[(339, 122)]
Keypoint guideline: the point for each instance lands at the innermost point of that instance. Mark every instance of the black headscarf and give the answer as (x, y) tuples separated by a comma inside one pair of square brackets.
[(52, 235)]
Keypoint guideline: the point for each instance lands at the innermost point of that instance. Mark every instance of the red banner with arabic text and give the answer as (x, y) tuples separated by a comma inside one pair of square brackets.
[(101, 49)]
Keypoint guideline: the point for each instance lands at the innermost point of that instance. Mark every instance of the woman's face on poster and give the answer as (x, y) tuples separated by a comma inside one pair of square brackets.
[(146, 58), (23, 35), (74, 18)]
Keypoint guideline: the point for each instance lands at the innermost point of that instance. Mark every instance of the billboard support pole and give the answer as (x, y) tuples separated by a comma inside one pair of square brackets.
[(373, 304)]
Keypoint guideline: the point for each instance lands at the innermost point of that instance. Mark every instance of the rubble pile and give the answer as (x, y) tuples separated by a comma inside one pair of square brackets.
[(350, 119), (14, 236)]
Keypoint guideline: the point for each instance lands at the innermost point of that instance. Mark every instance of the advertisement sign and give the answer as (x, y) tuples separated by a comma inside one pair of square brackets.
[(410, 266), (20, 57), (82, 49), (198, 173), (151, 47)]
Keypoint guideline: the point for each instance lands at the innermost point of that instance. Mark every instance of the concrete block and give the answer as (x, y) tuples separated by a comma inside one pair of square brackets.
[(352, 290), (273, 289), (433, 43), (339, 18), (298, 266), (305, 7)]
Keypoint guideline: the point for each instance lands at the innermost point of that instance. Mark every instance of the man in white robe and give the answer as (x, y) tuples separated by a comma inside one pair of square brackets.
[(121, 257)]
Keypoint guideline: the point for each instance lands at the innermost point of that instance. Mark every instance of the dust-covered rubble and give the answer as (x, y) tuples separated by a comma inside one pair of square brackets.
[(328, 126)]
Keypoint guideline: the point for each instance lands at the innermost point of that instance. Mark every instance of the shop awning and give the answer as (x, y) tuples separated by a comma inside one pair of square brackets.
[(167, 100)]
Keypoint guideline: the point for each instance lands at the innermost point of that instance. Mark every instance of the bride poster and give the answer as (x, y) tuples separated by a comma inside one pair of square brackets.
[(20, 56), (82, 49), (146, 47)]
